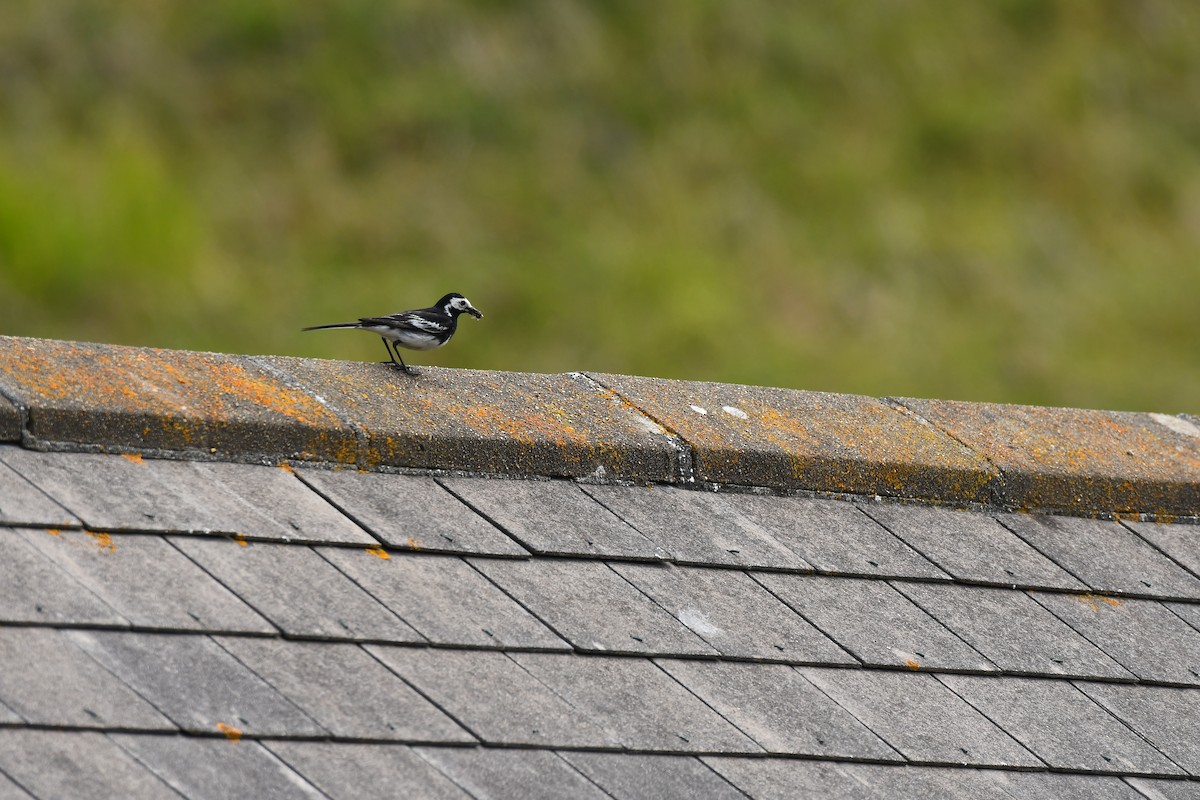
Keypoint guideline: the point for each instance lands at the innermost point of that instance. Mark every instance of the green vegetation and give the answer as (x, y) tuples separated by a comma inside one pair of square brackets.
[(995, 201)]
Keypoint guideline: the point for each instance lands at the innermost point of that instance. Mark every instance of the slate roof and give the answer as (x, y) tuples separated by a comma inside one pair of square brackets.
[(173, 625)]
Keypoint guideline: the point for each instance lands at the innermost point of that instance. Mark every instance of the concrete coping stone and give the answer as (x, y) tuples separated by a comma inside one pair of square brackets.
[(10, 421), (76, 396)]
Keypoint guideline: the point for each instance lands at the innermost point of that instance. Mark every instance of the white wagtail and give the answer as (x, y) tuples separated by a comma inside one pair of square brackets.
[(420, 329)]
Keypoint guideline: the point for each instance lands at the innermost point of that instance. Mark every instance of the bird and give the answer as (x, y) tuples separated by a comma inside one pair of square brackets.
[(419, 329)]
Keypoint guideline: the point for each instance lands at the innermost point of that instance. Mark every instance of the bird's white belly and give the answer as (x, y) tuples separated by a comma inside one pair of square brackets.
[(412, 340)]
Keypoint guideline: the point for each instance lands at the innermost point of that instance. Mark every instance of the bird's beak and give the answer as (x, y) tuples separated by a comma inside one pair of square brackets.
[(475, 312)]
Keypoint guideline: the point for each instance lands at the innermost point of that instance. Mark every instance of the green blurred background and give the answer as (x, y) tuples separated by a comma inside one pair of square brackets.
[(994, 201)]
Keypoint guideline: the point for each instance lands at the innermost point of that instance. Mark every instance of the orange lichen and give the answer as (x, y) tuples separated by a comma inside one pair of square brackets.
[(912, 664), (379, 552), (53, 531), (133, 458), (1093, 601), (161, 382), (103, 541), (241, 540), (231, 733), (413, 543)]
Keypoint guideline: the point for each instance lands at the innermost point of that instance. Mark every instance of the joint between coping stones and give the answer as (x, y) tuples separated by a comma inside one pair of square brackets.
[(996, 487), (687, 470), (22, 411), (361, 438)]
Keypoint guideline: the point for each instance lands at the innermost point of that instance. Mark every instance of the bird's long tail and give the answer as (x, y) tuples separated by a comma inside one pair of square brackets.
[(333, 325)]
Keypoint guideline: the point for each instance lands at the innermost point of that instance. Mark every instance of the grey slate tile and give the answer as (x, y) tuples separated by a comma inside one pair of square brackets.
[(444, 599), (1059, 724), (1180, 542), (296, 589), (49, 681), (1142, 635), (920, 781), (77, 765), (345, 690), (554, 517), (216, 769), (697, 527), (283, 508), (8, 716), (10, 790), (791, 779), (628, 776), (569, 595), (874, 622), (366, 771), (734, 614), (1188, 612), (511, 774), (494, 697), (1164, 789), (1013, 631), (972, 546), (920, 717), (835, 536), (1060, 786), (637, 702), (1168, 717), (1105, 555), (198, 685), (22, 503), (410, 512), (111, 493), (779, 708), (147, 581), (35, 589)]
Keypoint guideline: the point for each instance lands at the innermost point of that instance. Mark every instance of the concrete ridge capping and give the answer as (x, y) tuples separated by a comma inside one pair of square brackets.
[(600, 427)]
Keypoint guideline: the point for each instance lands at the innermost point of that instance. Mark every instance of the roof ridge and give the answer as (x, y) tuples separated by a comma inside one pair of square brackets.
[(57, 395)]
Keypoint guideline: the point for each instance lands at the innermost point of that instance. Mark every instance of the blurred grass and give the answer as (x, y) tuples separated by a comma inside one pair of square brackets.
[(995, 201)]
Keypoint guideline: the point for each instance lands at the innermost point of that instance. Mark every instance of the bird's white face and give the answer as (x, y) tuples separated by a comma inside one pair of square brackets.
[(463, 306)]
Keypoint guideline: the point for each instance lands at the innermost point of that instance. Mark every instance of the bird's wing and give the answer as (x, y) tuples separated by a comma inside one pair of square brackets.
[(420, 321)]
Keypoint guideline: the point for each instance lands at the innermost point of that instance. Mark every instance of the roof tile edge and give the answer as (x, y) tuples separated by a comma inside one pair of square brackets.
[(69, 395)]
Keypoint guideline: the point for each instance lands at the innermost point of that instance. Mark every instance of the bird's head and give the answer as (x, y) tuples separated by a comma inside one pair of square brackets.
[(455, 304)]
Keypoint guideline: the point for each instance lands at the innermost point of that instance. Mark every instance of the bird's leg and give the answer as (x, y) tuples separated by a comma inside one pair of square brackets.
[(391, 358), (407, 369)]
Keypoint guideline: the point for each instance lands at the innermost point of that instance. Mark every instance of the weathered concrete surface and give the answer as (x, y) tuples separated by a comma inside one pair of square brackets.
[(500, 422), (808, 440), (10, 421), (1077, 460), (70, 395), (133, 398)]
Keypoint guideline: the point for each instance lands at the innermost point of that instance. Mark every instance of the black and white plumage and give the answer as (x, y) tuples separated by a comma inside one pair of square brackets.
[(419, 329)]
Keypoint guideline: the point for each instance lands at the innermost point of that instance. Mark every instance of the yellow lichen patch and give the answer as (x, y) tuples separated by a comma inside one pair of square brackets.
[(286, 467), (231, 733), (241, 540), (346, 452), (912, 664), (547, 422), (413, 543), (1093, 601), (103, 541), (53, 531), (379, 552), (236, 380), (133, 458)]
